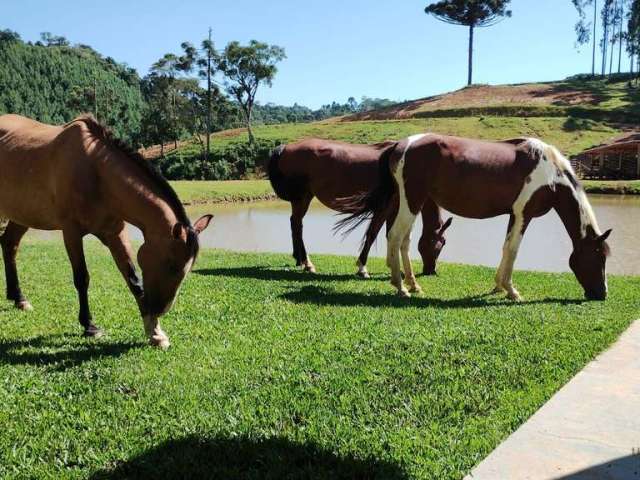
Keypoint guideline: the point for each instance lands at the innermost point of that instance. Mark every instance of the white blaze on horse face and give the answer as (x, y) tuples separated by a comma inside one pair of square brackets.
[(403, 223)]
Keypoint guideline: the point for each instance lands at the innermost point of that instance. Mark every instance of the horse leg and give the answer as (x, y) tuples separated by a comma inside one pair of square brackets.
[(122, 253), (75, 251), (431, 223), (372, 233), (10, 242), (409, 276), (398, 232), (504, 282), (298, 211)]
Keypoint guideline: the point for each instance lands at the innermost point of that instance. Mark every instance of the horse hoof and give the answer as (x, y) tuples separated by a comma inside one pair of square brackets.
[(515, 296), (93, 332), (416, 289), (429, 273), (363, 274), (162, 342), (310, 268), (24, 305), (404, 294)]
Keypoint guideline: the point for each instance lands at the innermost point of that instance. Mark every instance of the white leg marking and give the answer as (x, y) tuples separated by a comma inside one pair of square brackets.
[(308, 265), (156, 335), (409, 275), (401, 226), (362, 270)]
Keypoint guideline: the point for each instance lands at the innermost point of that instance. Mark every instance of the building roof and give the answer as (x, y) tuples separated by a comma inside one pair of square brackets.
[(632, 146)]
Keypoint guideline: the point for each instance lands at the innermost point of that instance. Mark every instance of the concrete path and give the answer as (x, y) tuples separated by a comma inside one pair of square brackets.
[(589, 430)]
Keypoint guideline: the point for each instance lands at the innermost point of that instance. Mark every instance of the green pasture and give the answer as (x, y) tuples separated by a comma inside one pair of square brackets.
[(277, 374)]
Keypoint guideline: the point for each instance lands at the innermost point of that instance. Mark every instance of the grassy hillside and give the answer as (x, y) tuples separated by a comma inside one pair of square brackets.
[(53, 84), (574, 115), (606, 100)]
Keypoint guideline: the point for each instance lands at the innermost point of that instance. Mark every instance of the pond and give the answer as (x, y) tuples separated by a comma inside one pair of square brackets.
[(264, 226)]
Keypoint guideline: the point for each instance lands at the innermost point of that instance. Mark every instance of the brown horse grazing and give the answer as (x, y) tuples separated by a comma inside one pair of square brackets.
[(524, 178), (79, 179), (332, 171)]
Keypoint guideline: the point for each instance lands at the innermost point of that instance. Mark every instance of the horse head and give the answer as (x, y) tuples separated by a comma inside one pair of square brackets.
[(430, 251), (588, 262)]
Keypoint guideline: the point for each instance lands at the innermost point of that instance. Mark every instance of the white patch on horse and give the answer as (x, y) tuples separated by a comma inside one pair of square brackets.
[(552, 170), (400, 233), (558, 162), (4, 222)]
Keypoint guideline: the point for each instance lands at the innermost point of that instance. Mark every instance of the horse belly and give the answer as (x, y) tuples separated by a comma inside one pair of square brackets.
[(474, 202), (25, 194)]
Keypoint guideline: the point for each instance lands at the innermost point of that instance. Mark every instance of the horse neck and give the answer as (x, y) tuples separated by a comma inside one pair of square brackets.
[(571, 212), (135, 197)]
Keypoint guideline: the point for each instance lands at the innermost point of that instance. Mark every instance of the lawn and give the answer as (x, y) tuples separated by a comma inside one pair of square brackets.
[(196, 192), (278, 374), (572, 136)]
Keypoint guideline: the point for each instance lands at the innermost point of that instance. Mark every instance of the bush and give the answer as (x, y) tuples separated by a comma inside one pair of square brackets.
[(233, 161)]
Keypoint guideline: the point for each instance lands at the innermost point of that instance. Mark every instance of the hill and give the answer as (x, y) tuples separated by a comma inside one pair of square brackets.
[(611, 100), (574, 114), (53, 84)]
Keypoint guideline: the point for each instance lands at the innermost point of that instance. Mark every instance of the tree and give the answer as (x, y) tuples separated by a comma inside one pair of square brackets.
[(51, 40), (7, 35), (633, 33), (470, 13), (245, 68), (205, 60), (583, 29)]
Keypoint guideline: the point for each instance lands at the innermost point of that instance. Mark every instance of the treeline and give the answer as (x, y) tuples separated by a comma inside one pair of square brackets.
[(185, 95), (53, 82)]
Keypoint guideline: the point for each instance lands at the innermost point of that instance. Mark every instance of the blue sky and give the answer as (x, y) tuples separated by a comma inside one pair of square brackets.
[(335, 48)]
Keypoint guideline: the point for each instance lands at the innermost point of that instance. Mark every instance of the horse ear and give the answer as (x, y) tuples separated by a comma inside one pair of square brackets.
[(446, 225), (605, 235), (202, 223), (179, 231)]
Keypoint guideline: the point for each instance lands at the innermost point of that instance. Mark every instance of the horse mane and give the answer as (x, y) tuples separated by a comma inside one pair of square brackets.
[(105, 134), (564, 165)]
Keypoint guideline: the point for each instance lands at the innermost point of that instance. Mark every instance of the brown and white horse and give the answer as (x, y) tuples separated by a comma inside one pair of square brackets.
[(524, 178), (332, 171), (79, 179)]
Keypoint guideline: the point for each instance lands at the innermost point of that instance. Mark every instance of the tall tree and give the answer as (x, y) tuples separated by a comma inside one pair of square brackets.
[(245, 68), (583, 28), (472, 14), (205, 61)]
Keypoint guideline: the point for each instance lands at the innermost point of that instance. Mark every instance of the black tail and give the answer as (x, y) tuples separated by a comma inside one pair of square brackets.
[(363, 207), (287, 188)]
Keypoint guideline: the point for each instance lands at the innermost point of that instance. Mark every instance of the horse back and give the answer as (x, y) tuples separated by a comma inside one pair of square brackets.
[(471, 178), (332, 170)]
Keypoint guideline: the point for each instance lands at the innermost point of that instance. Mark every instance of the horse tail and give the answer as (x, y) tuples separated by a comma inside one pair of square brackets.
[(286, 187), (362, 207)]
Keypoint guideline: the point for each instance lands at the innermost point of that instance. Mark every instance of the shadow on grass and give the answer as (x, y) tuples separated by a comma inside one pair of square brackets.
[(269, 273), (244, 458), (60, 352), (323, 296)]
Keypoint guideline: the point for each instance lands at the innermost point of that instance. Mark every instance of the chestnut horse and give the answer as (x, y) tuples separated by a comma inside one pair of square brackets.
[(79, 179), (332, 171), (524, 178)]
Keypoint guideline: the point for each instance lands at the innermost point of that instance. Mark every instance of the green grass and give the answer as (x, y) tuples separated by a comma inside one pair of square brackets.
[(277, 374), (620, 187), (195, 192), (571, 137)]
